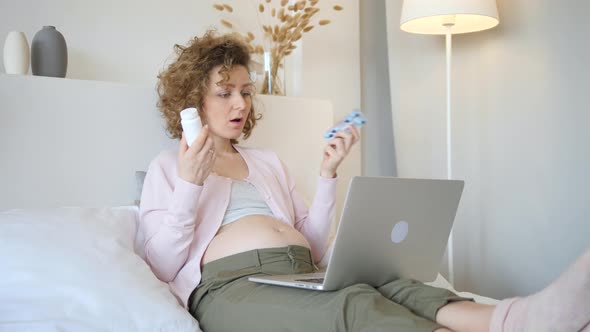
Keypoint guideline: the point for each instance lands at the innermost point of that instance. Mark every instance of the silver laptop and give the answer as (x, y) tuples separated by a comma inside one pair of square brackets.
[(390, 228)]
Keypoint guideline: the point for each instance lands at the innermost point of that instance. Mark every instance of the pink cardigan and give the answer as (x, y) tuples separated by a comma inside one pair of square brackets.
[(179, 219)]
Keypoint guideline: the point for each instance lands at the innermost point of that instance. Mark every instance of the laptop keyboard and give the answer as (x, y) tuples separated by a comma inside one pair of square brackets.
[(313, 280)]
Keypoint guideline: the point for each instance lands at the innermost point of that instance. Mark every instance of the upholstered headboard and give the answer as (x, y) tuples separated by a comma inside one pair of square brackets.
[(78, 143)]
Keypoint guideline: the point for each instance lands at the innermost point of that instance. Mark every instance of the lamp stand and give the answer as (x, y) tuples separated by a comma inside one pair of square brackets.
[(449, 23), (430, 17)]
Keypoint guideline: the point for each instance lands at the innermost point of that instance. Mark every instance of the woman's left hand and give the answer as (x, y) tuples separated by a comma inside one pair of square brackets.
[(336, 150)]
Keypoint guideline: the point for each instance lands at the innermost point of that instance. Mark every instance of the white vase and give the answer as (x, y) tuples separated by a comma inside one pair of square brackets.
[(16, 53)]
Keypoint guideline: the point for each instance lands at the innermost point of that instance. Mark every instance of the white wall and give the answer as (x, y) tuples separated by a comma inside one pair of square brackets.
[(331, 69), (130, 41), (120, 41), (520, 103), (91, 159), (69, 142)]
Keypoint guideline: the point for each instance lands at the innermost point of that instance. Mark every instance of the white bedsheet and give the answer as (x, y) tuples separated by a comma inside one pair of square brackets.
[(443, 283), (74, 269)]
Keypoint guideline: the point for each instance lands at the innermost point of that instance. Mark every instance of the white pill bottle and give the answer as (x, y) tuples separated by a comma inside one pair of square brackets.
[(191, 124)]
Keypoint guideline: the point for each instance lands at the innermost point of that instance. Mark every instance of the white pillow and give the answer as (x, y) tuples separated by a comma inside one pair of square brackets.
[(74, 269)]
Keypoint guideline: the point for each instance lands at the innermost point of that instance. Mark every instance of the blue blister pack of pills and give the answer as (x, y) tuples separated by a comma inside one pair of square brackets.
[(356, 118)]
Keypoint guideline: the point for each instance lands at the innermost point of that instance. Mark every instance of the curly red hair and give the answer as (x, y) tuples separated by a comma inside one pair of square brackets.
[(185, 82)]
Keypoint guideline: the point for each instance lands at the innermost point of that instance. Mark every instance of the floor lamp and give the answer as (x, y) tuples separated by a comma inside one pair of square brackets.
[(448, 17)]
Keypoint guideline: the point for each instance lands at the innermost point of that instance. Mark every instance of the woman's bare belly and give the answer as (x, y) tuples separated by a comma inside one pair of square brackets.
[(252, 232)]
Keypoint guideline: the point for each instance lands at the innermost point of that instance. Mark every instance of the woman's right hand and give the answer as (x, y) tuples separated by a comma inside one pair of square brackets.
[(196, 162)]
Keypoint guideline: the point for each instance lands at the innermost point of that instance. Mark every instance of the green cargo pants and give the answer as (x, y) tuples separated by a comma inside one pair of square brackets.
[(226, 301)]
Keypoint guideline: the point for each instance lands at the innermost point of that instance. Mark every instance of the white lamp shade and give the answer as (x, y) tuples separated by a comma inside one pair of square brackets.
[(428, 16)]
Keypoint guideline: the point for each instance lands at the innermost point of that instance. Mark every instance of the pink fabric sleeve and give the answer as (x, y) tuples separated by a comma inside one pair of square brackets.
[(168, 212), (314, 223)]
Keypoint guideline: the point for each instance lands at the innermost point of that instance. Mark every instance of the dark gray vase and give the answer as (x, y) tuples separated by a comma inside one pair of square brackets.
[(49, 53)]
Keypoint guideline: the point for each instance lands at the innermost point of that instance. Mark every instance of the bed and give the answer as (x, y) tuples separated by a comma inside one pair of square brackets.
[(72, 153)]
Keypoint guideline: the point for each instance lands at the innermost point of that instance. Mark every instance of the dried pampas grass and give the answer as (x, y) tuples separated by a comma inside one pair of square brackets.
[(291, 22), (227, 24)]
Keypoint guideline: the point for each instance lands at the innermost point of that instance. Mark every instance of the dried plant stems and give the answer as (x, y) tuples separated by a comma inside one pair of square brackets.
[(291, 22)]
